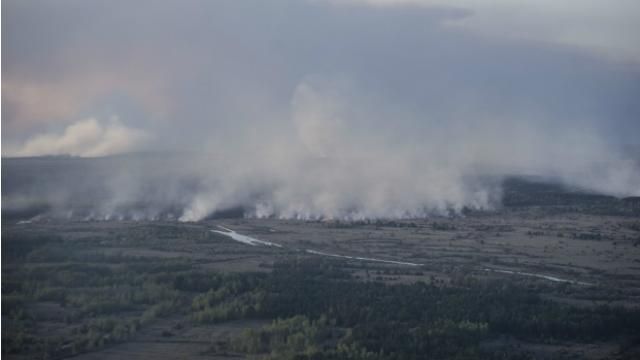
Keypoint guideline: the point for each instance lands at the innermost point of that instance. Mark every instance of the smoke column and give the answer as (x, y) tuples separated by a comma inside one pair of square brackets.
[(311, 109)]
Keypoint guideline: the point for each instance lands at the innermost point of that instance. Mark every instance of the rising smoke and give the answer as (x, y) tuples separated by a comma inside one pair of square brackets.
[(300, 109), (336, 157)]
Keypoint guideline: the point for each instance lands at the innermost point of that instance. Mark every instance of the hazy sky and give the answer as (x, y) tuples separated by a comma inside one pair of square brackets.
[(315, 108), (217, 68)]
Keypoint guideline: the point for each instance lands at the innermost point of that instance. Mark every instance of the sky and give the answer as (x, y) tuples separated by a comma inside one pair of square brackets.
[(432, 90)]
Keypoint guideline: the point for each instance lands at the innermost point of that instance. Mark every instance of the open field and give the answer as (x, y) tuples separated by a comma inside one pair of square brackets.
[(166, 289)]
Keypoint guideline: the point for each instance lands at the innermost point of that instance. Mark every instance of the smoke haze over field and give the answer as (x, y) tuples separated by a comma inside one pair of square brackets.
[(314, 109)]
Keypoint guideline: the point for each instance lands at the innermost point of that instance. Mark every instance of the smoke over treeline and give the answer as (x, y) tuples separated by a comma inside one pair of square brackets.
[(340, 153), (309, 109), (285, 181)]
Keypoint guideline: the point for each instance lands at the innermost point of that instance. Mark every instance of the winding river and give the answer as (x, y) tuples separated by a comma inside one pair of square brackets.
[(248, 240)]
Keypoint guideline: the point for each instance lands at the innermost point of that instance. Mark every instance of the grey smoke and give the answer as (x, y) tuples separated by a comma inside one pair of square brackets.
[(305, 109)]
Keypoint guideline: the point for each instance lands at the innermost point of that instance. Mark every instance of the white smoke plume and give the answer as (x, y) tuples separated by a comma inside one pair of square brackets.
[(342, 159), (313, 109), (88, 138)]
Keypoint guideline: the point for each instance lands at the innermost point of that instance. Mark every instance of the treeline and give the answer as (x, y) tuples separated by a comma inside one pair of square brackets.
[(321, 310), (18, 247), (521, 192), (417, 321), (97, 304), (378, 223)]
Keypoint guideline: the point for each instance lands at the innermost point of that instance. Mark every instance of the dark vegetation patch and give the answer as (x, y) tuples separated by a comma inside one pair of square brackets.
[(57, 305), (521, 192)]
